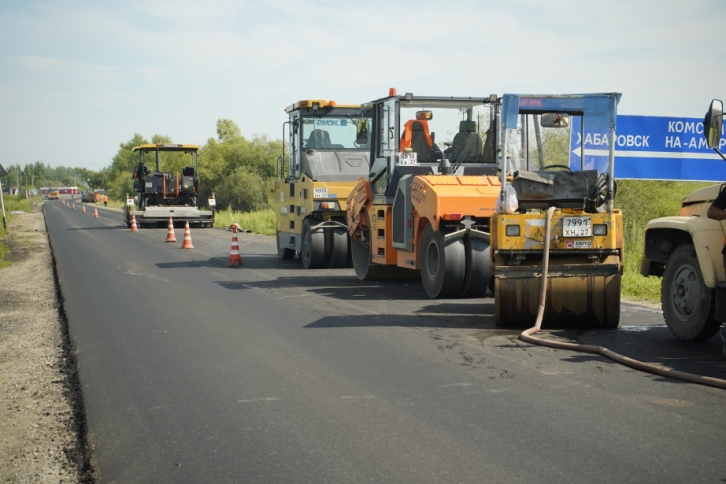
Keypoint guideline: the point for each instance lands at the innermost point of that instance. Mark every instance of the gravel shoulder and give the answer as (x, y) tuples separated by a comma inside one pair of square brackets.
[(41, 414)]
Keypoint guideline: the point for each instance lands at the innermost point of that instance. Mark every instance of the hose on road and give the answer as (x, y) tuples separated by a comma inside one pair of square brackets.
[(624, 360)]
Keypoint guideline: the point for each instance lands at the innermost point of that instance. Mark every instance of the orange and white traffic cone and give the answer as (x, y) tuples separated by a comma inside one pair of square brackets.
[(83, 208), (95, 212), (187, 244), (74, 205), (235, 259), (170, 235), (133, 223)]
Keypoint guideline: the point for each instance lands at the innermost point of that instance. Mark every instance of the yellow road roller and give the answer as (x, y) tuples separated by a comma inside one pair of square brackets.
[(586, 242)]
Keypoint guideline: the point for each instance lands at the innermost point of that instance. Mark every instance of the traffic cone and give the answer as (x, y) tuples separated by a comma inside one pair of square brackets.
[(170, 235), (235, 260), (187, 244), (133, 223), (83, 208), (74, 205), (95, 212)]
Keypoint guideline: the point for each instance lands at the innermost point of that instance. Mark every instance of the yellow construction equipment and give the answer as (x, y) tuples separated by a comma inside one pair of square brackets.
[(328, 152), (585, 259), (427, 205)]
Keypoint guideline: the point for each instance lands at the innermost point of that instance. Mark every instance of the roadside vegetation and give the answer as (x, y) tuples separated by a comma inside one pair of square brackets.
[(12, 203), (260, 222)]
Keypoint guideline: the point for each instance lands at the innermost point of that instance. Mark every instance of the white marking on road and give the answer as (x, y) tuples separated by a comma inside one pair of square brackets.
[(266, 399), (156, 278), (456, 385), (355, 397), (641, 328)]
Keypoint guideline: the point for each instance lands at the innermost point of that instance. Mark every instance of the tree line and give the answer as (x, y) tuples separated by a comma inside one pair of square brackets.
[(38, 174)]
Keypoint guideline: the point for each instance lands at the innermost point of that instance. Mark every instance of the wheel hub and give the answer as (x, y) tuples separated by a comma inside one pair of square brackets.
[(685, 292), (432, 260)]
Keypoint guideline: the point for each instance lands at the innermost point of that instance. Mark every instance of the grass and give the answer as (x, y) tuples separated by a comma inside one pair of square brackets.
[(641, 201), (262, 222), (12, 203)]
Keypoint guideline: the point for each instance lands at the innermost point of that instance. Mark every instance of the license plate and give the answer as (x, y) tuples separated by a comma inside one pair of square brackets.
[(579, 244), (407, 159), (576, 227), (320, 193)]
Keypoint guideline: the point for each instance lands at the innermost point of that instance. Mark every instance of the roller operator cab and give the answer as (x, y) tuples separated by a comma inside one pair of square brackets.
[(432, 188), (586, 243), (687, 251), (327, 152), (160, 195)]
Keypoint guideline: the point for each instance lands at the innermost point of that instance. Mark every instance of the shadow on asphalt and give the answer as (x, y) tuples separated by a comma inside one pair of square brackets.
[(345, 287), (405, 321)]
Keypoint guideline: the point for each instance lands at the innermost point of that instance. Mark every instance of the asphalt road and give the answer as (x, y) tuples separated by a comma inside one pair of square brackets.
[(195, 372)]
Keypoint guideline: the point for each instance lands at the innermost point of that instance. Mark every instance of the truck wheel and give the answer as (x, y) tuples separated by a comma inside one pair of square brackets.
[(688, 305), (442, 265), (284, 253), (336, 248), (478, 273), (312, 251)]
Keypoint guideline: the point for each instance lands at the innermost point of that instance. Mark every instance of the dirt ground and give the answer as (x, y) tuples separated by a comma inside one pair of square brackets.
[(41, 418)]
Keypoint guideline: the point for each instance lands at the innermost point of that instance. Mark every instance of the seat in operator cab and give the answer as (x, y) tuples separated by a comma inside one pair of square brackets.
[(467, 146), (416, 136), (318, 139)]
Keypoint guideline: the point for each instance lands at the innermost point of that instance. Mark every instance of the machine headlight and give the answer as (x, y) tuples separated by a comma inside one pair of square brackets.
[(600, 229), (512, 230)]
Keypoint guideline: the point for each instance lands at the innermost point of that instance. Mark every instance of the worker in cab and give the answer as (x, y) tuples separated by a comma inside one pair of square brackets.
[(105, 200)]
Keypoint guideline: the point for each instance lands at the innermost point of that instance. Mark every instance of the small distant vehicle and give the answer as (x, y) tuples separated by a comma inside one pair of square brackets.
[(87, 197), (53, 193)]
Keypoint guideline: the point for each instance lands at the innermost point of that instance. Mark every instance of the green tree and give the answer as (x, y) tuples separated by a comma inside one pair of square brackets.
[(226, 129)]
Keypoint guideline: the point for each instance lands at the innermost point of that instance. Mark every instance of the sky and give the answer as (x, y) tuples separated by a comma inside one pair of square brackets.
[(77, 78)]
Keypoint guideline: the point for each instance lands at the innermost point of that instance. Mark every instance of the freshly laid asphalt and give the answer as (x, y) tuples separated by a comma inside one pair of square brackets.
[(195, 372)]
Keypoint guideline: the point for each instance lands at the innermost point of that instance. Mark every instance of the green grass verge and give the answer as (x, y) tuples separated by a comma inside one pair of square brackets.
[(262, 222), (641, 201), (12, 203)]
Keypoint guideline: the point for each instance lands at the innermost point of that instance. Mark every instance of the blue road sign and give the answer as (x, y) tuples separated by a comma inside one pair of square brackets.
[(649, 147)]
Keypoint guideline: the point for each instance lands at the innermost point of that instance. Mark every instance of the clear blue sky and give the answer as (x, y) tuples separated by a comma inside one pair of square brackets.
[(79, 77)]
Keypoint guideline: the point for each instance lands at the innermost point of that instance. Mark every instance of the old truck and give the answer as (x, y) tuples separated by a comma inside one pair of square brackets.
[(160, 195), (586, 252), (687, 251), (425, 208), (327, 153)]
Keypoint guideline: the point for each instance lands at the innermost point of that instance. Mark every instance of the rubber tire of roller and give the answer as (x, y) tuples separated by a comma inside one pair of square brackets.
[(478, 271), (312, 249), (336, 248), (284, 252), (443, 266), (700, 325)]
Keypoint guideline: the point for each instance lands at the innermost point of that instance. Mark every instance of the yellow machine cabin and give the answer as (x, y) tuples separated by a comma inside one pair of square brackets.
[(327, 153)]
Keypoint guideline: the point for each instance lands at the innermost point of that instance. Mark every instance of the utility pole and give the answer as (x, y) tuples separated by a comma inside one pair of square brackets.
[(2, 199)]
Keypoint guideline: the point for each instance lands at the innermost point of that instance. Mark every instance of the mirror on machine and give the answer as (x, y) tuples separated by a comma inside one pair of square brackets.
[(424, 115), (713, 123), (555, 120)]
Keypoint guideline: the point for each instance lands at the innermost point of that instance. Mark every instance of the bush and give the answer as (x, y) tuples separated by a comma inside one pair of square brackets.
[(243, 190)]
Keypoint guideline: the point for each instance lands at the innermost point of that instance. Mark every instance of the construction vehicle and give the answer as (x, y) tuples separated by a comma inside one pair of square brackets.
[(160, 195), (53, 193), (687, 251), (328, 152), (425, 208), (586, 254)]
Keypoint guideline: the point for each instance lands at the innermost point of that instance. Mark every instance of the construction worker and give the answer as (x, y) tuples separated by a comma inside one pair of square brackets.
[(105, 200), (96, 196)]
